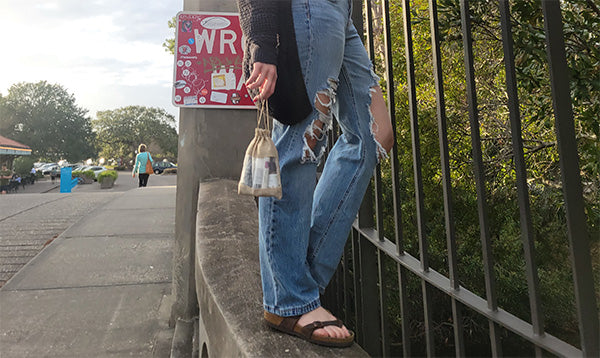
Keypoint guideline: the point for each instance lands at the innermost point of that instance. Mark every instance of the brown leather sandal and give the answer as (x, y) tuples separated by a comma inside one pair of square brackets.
[(290, 325)]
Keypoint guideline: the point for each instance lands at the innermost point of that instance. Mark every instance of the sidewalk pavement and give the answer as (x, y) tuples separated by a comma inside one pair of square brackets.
[(40, 186), (101, 288)]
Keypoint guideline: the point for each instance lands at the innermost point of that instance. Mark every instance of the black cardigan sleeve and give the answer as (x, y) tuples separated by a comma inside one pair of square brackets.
[(258, 19), (268, 26)]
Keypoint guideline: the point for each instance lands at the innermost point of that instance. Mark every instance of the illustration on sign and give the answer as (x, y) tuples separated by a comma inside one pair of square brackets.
[(208, 62)]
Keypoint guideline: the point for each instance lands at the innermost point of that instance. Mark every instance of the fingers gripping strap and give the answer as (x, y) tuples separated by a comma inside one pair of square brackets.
[(263, 115)]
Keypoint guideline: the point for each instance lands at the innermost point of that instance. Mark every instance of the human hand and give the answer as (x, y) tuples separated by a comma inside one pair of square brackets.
[(263, 77)]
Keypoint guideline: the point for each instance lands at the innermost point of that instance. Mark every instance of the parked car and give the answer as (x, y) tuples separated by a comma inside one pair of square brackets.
[(160, 167), (96, 169), (50, 168), (44, 166), (78, 167)]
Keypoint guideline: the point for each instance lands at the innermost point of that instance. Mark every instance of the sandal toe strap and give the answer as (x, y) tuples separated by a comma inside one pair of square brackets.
[(310, 328)]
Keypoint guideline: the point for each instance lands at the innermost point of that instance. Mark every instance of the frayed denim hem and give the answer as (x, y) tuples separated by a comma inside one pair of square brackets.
[(295, 311)]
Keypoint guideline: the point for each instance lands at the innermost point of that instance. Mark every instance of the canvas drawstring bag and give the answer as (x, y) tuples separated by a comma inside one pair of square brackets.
[(260, 173)]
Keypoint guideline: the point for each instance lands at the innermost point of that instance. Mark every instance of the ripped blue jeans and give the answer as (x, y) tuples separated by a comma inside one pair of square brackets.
[(302, 235)]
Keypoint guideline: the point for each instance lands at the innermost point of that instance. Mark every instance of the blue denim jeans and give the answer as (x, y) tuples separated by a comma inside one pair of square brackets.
[(302, 235)]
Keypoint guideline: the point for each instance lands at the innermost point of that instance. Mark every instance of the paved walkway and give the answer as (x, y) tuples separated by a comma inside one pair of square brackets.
[(29, 221), (99, 289), (40, 186)]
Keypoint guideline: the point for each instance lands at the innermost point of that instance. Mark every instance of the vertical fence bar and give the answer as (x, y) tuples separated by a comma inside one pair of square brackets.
[(377, 180), (443, 141), (390, 90), (347, 283), (583, 277), (488, 265), (414, 128), (404, 310), (395, 168), (378, 210), (356, 271), (527, 235), (416, 149), (338, 293), (428, 318), (395, 172), (370, 320), (457, 323), (357, 16), (383, 312), (446, 183), (369, 29)]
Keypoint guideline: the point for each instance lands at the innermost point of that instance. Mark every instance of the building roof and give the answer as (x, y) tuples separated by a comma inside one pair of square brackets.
[(12, 147)]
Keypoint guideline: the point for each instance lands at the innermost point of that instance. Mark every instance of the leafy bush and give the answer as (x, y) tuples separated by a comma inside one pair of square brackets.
[(107, 174), (22, 165), (84, 174)]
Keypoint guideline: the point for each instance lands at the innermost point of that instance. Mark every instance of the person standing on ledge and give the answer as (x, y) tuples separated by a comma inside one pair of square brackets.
[(307, 59), (141, 165)]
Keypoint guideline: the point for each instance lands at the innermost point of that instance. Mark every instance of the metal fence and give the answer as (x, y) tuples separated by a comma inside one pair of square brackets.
[(360, 292)]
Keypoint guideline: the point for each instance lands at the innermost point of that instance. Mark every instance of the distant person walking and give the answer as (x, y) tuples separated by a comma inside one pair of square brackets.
[(32, 175), (143, 165), (5, 176)]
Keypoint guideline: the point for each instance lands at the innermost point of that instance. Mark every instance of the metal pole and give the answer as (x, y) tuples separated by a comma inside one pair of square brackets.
[(571, 179)]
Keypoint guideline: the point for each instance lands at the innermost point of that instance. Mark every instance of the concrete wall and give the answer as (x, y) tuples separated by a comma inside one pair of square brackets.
[(212, 143)]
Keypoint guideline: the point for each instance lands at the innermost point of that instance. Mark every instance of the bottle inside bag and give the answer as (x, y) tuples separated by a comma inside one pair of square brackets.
[(264, 171)]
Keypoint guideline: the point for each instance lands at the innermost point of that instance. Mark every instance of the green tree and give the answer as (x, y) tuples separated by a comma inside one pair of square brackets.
[(46, 118), (582, 37), (120, 131), (169, 44), (581, 20), (22, 165)]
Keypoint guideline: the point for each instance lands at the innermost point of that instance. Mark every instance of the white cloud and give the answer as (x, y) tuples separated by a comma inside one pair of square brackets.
[(108, 53)]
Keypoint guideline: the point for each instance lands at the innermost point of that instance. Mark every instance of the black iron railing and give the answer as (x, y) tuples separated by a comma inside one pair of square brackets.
[(377, 284)]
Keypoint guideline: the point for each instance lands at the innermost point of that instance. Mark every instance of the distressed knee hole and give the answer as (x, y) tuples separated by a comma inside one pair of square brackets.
[(316, 132), (323, 102)]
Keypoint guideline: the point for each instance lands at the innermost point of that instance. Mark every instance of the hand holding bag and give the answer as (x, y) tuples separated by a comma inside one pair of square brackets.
[(260, 173)]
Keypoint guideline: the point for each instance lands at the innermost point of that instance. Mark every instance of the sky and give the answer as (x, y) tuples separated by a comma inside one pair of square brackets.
[(107, 53)]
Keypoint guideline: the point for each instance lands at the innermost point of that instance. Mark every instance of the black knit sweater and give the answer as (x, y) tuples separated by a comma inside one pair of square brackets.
[(270, 38)]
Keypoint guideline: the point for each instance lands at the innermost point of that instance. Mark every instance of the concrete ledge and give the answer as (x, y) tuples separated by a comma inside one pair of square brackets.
[(228, 282), (182, 343)]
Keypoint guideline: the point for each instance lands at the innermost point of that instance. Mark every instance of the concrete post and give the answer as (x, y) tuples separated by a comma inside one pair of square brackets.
[(212, 143)]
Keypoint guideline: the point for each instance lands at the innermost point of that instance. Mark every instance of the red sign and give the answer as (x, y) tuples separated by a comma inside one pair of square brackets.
[(208, 62)]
